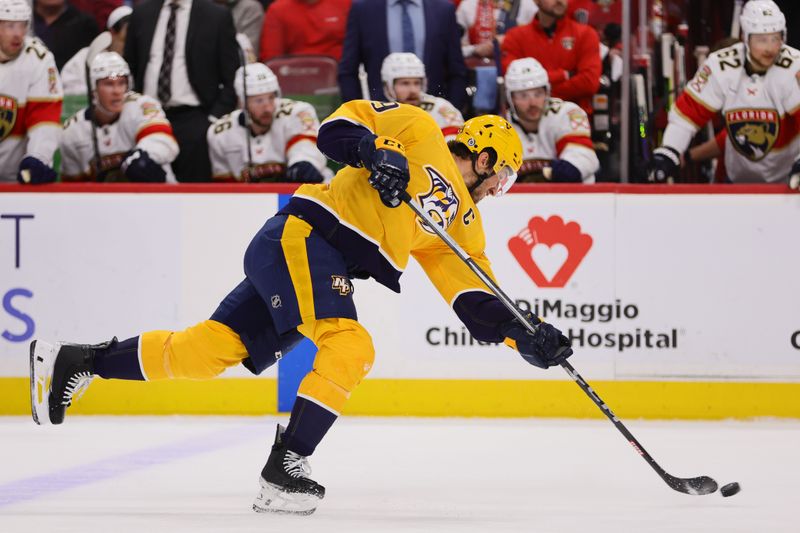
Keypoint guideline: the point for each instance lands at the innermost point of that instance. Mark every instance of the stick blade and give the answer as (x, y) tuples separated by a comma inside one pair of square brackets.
[(99, 44), (695, 486)]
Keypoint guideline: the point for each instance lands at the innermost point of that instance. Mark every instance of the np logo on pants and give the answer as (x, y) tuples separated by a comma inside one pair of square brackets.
[(342, 284)]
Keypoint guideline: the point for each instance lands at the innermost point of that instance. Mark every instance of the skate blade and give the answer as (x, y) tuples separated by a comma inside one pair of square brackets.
[(42, 360), (272, 499)]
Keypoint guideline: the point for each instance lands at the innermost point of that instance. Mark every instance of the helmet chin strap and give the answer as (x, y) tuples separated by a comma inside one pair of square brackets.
[(4, 57)]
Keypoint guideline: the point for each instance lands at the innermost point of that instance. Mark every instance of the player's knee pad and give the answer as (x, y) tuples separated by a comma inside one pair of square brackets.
[(202, 351), (345, 355), (346, 352)]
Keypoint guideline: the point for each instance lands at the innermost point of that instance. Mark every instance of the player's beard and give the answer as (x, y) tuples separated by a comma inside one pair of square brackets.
[(263, 121), (532, 114), (6, 55), (767, 60), (553, 13), (761, 63), (414, 99)]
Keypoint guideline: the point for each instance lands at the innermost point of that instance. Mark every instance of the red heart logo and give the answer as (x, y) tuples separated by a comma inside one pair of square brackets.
[(540, 247)]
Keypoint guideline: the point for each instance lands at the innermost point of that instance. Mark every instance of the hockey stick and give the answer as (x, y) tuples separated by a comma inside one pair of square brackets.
[(668, 69), (700, 485), (681, 38), (680, 63), (243, 59), (640, 98), (100, 43), (737, 11)]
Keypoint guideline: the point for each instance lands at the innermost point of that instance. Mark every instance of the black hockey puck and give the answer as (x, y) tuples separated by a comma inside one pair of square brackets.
[(730, 489)]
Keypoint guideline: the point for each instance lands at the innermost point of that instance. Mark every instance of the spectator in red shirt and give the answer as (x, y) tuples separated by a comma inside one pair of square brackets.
[(304, 27), (99, 9), (581, 10), (568, 50)]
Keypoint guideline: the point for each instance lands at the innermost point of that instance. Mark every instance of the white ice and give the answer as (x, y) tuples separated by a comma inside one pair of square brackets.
[(142, 474)]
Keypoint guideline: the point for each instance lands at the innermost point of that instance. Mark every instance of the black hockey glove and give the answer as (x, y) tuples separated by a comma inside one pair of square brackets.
[(545, 348), (562, 171), (386, 159), (794, 176), (665, 166), (35, 172), (303, 172), (138, 167)]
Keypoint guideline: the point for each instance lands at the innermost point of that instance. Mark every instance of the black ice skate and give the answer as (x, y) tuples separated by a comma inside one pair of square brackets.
[(60, 373), (285, 485)]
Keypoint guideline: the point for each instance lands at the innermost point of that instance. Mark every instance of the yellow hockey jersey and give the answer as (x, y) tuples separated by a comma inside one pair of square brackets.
[(378, 240)]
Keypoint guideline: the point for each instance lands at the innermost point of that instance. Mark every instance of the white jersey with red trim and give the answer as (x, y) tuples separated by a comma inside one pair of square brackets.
[(761, 112), (30, 108), (141, 124), (291, 138), (564, 133), (444, 113)]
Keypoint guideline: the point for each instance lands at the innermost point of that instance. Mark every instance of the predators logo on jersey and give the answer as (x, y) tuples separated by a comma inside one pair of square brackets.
[(752, 132), (8, 115), (440, 201)]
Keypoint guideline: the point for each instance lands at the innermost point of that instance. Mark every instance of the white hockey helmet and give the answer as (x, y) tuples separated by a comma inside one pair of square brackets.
[(260, 80), (108, 65), (762, 16), (401, 65), (15, 10), (523, 74)]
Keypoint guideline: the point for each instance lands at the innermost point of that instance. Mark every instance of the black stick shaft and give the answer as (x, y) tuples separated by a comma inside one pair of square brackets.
[(585, 387), (511, 306), (243, 60), (100, 172)]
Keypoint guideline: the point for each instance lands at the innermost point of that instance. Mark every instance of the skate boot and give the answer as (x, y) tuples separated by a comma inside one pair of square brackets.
[(285, 485), (60, 373)]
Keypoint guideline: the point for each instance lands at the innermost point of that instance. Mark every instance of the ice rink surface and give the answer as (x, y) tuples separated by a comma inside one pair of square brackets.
[(175, 474)]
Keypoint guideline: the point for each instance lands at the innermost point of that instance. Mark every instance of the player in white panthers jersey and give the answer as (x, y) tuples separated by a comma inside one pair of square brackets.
[(130, 133), (556, 136), (404, 81), (278, 144), (30, 100), (756, 87)]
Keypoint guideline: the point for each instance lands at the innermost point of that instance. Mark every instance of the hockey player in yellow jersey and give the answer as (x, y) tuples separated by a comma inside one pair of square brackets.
[(299, 268)]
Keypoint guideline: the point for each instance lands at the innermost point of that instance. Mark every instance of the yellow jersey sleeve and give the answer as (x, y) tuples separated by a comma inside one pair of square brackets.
[(472, 301), (449, 274), (378, 239), (408, 124)]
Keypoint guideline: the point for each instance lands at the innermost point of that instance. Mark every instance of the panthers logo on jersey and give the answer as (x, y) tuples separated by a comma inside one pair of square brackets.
[(752, 132), (8, 115), (440, 202)]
